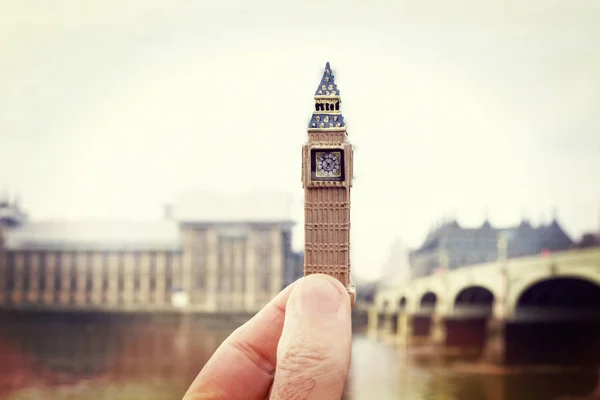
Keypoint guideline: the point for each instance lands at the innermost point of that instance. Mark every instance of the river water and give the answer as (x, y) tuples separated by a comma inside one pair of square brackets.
[(60, 357)]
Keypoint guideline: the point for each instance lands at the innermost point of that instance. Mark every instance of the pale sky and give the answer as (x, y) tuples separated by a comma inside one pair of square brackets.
[(109, 109)]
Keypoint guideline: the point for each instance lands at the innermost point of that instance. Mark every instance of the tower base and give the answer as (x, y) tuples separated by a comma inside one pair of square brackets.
[(351, 292)]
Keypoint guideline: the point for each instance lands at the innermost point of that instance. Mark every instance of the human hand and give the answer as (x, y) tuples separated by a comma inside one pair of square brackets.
[(297, 347)]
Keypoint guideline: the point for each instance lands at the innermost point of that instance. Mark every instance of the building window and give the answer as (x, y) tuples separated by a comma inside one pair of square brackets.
[(120, 277), (264, 255), (136, 275), (220, 266), (289, 263), (226, 249), (58, 283), (243, 248), (9, 278), (168, 271), (199, 261), (105, 276), (26, 271), (73, 275), (152, 277), (42, 268), (89, 276)]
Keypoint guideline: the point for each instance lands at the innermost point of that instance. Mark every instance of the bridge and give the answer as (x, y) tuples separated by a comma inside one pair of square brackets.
[(546, 301)]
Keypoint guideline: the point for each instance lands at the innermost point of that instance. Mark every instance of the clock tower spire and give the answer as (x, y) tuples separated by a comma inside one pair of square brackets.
[(327, 179)]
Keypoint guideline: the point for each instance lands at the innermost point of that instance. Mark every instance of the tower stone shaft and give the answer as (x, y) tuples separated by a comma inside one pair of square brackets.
[(327, 160)]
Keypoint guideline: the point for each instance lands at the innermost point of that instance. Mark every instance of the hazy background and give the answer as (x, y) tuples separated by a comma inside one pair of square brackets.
[(110, 109)]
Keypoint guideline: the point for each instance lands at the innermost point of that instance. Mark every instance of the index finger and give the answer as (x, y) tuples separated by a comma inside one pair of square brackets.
[(244, 365)]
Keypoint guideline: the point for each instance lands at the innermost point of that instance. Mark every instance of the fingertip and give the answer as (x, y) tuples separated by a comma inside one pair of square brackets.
[(315, 295), (318, 294), (328, 278)]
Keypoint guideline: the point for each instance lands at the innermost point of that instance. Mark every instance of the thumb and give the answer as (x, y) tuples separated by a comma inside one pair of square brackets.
[(313, 355)]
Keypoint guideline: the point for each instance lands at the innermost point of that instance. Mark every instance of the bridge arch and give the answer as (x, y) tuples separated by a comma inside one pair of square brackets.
[(568, 307), (474, 301), (427, 303), (540, 283), (402, 303), (560, 297)]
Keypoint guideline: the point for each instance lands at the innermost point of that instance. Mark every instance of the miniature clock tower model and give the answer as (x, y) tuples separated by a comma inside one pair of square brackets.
[(327, 179)]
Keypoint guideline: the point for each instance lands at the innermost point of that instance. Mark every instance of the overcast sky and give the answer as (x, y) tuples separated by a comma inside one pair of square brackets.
[(109, 109)]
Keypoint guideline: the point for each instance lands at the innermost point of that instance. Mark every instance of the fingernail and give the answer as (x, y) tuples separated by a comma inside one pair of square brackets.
[(316, 295)]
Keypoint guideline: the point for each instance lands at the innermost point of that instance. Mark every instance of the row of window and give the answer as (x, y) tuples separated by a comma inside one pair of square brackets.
[(81, 273)]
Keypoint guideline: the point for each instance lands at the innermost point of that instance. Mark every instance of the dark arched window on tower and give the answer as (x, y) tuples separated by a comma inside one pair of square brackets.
[(337, 105), (320, 107)]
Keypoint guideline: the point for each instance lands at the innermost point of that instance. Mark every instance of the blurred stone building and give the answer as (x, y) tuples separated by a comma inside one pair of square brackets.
[(454, 246), (295, 268), (396, 270), (589, 240), (209, 254)]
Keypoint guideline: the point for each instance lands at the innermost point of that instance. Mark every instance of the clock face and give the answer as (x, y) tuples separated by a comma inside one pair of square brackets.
[(327, 165)]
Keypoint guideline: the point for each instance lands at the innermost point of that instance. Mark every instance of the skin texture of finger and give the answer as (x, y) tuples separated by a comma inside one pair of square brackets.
[(313, 356), (244, 364)]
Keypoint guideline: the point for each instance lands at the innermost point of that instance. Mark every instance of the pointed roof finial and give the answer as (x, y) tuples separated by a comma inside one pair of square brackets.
[(454, 214), (554, 213), (327, 114), (327, 87)]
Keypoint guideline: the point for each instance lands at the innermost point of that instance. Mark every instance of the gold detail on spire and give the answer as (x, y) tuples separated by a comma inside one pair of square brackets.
[(326, 119), (322, 125), (335, 118), (326, 79), (318, 117), (330, 87)]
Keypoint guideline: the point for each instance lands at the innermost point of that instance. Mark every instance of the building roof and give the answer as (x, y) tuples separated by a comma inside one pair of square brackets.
[(327, 87), (95, 235), (160, 235), (11, 215), (452, 228), (250, 207), (328, 91)]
